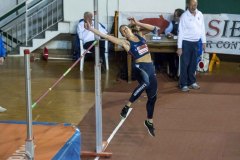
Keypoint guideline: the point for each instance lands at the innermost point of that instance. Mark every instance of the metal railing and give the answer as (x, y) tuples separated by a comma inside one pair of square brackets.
[(29, 20)]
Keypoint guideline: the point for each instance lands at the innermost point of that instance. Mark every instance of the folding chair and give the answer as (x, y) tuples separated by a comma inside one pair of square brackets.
[(83, 50)]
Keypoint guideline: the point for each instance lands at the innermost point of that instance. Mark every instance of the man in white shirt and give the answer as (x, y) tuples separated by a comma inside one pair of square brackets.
[(87, 36), (191, 30)]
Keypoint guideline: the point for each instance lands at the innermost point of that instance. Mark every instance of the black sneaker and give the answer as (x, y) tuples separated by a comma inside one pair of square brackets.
[(150, 127), (124, 112)]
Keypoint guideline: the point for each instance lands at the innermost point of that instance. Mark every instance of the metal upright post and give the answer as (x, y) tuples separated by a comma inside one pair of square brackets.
[(98, 97), (26, 23), (29, 140)]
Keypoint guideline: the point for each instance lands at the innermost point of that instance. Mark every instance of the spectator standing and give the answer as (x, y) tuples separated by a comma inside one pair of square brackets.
[(191, 30)]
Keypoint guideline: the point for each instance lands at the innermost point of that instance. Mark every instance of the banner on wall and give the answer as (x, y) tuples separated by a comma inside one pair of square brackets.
[(222, 33)]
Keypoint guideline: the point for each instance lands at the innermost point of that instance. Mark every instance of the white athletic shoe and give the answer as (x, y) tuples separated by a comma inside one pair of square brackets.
[(194, 86), (2, 109)]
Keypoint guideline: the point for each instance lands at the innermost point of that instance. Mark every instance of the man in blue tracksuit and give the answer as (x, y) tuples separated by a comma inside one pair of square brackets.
[(2, 56), (2, 51)]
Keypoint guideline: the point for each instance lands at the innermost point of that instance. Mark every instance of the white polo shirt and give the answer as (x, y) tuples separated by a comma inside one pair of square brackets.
[(191, 28), (86, 35)]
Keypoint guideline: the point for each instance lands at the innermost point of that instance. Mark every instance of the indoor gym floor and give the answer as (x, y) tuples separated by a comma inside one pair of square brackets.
[(201, 124)]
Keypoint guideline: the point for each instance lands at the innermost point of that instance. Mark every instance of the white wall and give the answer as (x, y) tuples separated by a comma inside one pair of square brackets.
[(151, 5), (74, 9)]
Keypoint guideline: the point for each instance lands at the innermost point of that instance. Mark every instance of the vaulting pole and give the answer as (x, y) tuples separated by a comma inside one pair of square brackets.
[(98, 92), (63, 75)]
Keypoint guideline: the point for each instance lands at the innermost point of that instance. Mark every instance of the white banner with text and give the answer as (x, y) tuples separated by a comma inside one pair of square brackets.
[(223, 33)]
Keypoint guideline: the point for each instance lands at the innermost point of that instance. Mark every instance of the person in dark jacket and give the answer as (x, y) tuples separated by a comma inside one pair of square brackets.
[(172, 29), (170, 32)]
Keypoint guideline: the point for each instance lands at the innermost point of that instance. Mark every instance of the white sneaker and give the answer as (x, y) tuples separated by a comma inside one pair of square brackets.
[(194, 86), (185, 89), (2, 109)]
